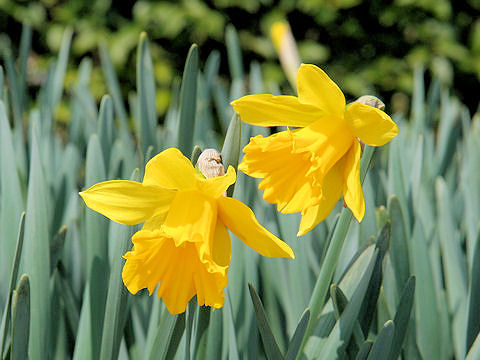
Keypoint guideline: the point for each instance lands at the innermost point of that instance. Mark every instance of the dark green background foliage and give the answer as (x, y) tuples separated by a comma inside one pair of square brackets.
[(368, 47)]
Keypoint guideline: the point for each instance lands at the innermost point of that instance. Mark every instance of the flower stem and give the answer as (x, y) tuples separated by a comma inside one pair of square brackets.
[(329, 265)]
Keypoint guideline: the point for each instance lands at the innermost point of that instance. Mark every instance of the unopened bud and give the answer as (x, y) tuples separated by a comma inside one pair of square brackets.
[(371, 100), (210, 163)]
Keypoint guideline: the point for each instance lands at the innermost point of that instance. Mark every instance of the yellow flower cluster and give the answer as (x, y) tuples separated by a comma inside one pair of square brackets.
[(184, 244)]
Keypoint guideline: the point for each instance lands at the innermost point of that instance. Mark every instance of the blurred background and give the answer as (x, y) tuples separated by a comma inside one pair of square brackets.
[(366, 47)]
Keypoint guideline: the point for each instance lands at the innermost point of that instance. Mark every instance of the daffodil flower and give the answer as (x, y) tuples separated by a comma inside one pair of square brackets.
[(307, 170), (184, 244)]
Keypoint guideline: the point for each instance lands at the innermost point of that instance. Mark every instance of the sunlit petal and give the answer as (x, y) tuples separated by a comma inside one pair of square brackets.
[(216, 186), (353, 192), (127, 202), (270, 110), (155, 259), (221, 247), (325, 142), (332, 186), (242, 222), (285, 181), (370, 124), (191, 218), (171, 170), (316, 88)]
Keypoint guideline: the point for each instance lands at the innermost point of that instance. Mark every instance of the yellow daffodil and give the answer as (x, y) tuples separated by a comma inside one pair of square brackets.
[(308, 169), (184, 244)]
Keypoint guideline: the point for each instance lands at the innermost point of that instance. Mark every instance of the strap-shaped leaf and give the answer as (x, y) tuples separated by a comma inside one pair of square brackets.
[(338, 339), (215, 334), (474, 352), (168, 335), (36, 253), (270, 344), (364, 350), (190, 316), (231, 147), (113, 87), (56, 247), (20, 320), (11, 202), (398, 248), (297, 337), (234, 53), (61, 67), (197, 150), (232, 335), (426, 302), (188, 103), (201, 331), (105, 127), (473, 316), (340, 302), (383, 343), (370, 302), (13, 279), (147, 114), (402, 317)]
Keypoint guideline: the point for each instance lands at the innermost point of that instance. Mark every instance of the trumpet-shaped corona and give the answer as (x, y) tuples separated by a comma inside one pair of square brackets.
[(309, 168)]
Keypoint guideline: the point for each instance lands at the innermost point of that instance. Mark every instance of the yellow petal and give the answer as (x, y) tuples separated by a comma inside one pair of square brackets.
[(179, 270), (332, 187), (191, 218), (316, 88), (325, 141), (216, 186), (156, 221), (216, 261), (353, 193), (171, 170), (127, 202), (285, 181), (370, 124), (270, 110), (221, 248), (242, 222)]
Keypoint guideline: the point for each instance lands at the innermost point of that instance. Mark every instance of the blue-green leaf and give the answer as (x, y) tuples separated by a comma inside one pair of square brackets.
[(297, 337), (147, 113), (36, 255), (231, 147), (20, 320), (402, 317), (188, 102), (11, 201), (270, 344), (383, 342), (105, 128), (13, 280)]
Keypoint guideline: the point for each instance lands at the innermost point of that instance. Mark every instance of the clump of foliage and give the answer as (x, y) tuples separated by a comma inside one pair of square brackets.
[(372, 47), (404, 282)]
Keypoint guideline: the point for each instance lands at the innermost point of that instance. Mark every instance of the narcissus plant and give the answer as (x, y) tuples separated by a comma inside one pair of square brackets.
[(183, 246), (308, 169)]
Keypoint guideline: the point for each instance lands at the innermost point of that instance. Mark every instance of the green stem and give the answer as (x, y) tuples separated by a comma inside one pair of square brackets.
[(331, 258)]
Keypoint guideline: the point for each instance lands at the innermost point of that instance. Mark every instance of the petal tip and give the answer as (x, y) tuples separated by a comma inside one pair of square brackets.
[(301, 232)]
